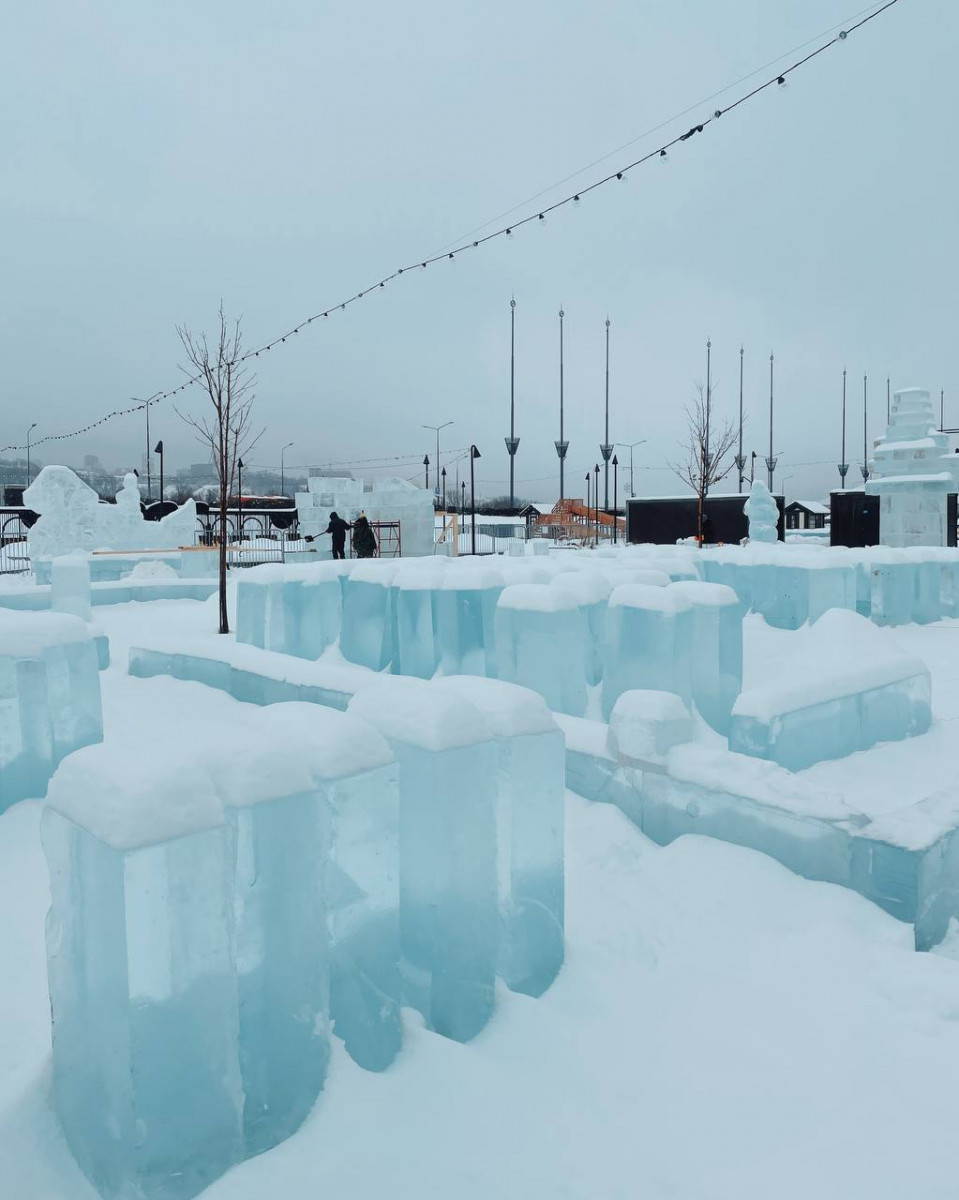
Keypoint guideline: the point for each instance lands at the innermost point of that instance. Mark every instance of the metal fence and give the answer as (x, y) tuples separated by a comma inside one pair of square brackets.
[(14, 559)]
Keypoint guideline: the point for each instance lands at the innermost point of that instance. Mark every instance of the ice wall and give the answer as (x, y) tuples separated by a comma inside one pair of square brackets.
[(648, 637), (383, 500), (542, 642)]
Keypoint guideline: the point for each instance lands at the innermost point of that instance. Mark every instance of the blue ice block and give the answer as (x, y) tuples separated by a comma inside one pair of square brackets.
[(542, 643), (49, 698), (530, 825), (70, 584), (465, 613), (349, 784), (366, 634), (715, 650), (591, 590), (417, 650), (448, 870), (893, 587), (146, 1076), (648, 631)]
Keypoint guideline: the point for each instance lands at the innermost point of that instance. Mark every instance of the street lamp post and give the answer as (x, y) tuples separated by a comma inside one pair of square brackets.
[(865, 453), (512, 442), (596, 500), (606, 449), (159, 450), (562, 445), (589, 517), (474, 455), (630, 446), (426, 464), (740, 457), (771, 459), (283, 468), (443, 474), (615, 499), (29, 431), (239, 500), (436, 429)]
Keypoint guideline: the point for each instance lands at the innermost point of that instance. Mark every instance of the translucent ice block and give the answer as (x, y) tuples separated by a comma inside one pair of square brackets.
[(591, 590), (648, 631), (146, 1077), (417, 651), (350, 772), (448, 891), (542, 642), (715, 650), (466, 607), (70, 585), (367, 629), (530, 826), (893, 588)]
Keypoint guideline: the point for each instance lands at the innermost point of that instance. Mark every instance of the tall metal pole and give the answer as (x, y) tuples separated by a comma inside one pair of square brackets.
[(888, 407), (512, 442), (443, 473), (709, 397), (843, 465), (606, 449), (158, 449), (771, 460), (596, 500), (149, 478), (426, 464), (615, 499), (474, 455), (589, 516), (239, 500), (740, 458), (942, 402), (865, 452), (562, 445), (283, 468)]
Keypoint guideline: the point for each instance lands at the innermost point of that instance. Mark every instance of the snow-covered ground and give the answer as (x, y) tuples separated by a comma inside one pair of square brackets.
[(722, 1029)]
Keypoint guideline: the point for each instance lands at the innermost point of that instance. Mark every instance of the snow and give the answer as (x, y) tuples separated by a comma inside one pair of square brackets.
[(508, 709), (537, 597), (647, 596), (28, 634), (412, 711)]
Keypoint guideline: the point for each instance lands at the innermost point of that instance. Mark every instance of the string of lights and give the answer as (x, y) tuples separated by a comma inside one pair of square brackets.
[(573, 199)]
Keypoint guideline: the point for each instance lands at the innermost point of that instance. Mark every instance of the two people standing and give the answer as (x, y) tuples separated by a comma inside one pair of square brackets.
[(364, 539)]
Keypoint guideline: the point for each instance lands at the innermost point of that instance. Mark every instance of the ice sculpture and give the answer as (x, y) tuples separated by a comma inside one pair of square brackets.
[(395, 503), (648, 633), (715, 649), (366, 633), (763, 513), (542, 643), (912, 473), (146, 1074), (72, 518), (448, 892), (49, 698), (465, 615), (843, 689), (530, 824)]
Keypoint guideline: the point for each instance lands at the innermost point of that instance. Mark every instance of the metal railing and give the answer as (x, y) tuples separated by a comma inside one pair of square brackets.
[(14, 557)]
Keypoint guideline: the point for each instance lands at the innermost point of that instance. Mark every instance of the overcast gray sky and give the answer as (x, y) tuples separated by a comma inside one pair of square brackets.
[(159, 157)]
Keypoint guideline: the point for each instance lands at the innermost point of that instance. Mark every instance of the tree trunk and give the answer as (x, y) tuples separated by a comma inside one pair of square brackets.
[(224, 615)]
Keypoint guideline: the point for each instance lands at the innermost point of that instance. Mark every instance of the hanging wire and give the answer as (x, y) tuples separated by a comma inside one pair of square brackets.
[(503, 231)]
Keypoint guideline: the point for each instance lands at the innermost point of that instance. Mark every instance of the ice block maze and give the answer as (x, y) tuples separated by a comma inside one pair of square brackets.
[(218, 909)]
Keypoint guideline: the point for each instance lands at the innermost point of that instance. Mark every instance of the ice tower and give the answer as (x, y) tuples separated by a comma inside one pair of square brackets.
[(912, 474)]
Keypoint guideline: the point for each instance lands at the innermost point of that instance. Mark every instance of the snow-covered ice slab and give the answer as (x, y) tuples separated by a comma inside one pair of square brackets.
[(716, 649), (448, 890), (465, 614), (417, 604), (844, 689), (292, 610), (49, 698), (542, 643), (366, 634), (530, 825)]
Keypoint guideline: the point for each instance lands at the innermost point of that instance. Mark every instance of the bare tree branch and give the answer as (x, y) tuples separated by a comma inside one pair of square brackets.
[(707, 448)]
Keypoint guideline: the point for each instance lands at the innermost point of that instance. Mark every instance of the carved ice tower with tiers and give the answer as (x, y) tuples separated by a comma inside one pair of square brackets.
[(912, 473)]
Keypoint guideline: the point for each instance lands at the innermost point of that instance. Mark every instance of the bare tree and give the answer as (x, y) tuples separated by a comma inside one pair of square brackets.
[(227, 431), (707, 448)]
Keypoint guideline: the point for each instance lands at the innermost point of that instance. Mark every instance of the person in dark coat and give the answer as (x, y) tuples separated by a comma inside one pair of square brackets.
[(337, 530), (364, 539)]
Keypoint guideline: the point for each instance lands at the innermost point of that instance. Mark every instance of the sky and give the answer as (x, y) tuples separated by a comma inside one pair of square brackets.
[(159, 159)]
